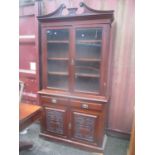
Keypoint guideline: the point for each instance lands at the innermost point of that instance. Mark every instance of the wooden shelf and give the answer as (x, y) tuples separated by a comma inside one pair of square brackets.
[(52, 58), (87, 59), (58, 41), (88, 41), (58, 73), (87, 70), (86, 91), (65, 89), (87, 75), (89, 44)]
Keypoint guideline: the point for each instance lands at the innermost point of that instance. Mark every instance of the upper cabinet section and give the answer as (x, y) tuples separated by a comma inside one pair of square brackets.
[(75, 51)]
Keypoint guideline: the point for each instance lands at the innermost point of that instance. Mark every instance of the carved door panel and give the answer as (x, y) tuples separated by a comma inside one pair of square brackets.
[(56, 120), (85, 126)]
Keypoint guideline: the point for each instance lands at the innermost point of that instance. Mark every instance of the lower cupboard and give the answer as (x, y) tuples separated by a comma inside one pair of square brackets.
[(77, 122)]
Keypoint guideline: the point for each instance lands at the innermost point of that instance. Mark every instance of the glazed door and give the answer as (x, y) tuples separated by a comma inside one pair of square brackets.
[(85, 126), (88, 52), (56, 58), (56, 121)]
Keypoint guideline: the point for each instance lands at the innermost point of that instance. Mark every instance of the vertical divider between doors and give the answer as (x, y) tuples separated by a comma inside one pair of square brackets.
[(71, 77), (72, 59)]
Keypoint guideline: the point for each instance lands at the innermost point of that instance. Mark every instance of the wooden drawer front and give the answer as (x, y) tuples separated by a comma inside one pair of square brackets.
[(52, 100), (86, 105)]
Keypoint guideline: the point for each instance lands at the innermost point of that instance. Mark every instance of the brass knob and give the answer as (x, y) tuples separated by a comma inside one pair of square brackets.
[(54, 100), (84, 106)]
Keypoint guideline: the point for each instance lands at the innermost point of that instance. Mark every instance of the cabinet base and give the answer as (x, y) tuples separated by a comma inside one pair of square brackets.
[(74, 143)]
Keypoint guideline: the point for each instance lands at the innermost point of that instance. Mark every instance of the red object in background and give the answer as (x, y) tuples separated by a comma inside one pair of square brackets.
[(28, 51)]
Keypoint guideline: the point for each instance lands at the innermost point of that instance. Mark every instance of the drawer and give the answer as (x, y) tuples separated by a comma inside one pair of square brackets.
[(86, 105), (52, 100)]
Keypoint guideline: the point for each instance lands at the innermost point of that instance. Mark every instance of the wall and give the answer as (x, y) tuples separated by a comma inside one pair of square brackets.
[(122, 45), (28, 51)]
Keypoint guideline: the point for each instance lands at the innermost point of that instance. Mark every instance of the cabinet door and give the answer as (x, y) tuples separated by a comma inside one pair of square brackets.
[(88, 59), (56, 120), (86, 126), (56, 45)]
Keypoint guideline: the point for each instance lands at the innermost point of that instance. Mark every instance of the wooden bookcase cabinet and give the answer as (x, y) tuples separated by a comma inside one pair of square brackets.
[(75, 75)]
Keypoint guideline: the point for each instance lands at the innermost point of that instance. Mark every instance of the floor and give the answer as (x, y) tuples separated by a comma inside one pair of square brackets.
[(114, 146)]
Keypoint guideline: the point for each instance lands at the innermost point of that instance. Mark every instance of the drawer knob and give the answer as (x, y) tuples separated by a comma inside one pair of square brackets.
[(85, 106), (54, 100)]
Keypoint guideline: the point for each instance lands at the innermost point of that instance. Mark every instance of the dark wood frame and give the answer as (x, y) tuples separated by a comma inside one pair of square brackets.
[(90, 18), (104, 60)]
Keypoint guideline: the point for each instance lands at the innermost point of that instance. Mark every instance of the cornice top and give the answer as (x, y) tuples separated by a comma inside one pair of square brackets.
[(72, 12)]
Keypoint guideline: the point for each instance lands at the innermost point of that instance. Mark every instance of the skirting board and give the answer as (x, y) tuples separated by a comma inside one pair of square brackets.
[(118, 134)]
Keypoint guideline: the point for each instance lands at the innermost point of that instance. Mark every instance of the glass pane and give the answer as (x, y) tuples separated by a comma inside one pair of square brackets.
[(56, 81), (88, 50), (87, 84), (57, 66), (87, 76), (87, 57), (89, 34), (90, 67), (57, 50), (61, 34), (57, 58)]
